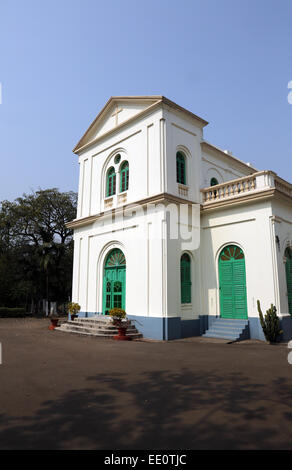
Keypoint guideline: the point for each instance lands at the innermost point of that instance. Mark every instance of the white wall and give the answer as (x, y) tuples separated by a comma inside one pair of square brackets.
[(221, 167), (140, 239), (282, 227), (248, 227), (182, 134), (139, 143)]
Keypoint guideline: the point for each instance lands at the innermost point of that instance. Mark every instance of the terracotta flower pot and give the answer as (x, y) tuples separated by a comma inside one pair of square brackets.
[(122, 334), (54, 323)]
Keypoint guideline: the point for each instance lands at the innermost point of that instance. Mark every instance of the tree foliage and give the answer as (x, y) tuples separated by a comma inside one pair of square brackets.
[(36, 248)]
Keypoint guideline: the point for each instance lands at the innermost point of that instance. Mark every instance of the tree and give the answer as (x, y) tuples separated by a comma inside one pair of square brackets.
[(36, 247)]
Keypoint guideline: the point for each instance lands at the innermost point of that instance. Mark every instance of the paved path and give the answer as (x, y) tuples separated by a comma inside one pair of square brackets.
[(60, 391)]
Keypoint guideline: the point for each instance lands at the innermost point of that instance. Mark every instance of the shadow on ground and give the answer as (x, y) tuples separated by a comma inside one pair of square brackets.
[(184, 410)]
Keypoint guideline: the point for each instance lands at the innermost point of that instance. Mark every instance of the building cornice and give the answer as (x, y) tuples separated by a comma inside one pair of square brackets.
[(161, 198), (174, 105), (164, 198)]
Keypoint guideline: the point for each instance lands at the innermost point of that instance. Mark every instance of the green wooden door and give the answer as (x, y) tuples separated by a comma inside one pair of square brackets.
[(232, 283), (114, 281), (288, 256)]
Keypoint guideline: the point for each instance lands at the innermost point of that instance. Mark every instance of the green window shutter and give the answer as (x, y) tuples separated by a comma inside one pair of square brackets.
[(185, 279), (111, 182), (239, 288), (288, 267), (124, 177), (180, 168), (226, 289), (213, 182)]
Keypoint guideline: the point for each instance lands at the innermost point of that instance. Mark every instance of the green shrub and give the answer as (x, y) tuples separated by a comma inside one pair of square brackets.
[(117, 314), (17, 312), (73, 308), (270, 323)]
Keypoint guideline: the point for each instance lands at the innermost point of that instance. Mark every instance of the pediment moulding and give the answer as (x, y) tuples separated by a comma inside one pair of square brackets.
[(121, 110)]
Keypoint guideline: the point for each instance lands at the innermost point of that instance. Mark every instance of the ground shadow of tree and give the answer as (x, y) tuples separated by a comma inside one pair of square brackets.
[(159, 410)]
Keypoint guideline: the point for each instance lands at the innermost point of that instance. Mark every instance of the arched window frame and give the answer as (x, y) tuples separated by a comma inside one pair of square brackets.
[(115, 257), (111, 182), (185, 278), (124, 176), (180, 168)]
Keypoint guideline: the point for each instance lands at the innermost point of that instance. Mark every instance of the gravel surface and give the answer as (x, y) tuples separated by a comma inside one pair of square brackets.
[(64, 391)]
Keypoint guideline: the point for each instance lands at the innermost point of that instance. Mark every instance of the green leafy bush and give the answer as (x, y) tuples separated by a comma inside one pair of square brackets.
[(270, 323), (17, 312)]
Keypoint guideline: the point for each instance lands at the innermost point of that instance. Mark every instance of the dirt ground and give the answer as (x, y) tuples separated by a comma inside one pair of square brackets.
[(64, 391)]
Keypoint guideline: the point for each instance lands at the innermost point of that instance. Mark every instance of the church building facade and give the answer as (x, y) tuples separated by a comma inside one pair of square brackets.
[(174, 230)]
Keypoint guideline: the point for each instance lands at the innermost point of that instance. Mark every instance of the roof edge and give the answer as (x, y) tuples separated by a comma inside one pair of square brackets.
[(107, 105), (155, 98), (237, 160)]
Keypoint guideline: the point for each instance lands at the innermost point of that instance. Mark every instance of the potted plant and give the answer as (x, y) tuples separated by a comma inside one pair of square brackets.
[(119, 320), (73, 309)]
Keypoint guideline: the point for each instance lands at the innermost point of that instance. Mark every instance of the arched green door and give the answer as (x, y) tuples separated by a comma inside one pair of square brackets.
[(114, 281), (288, 256), (232, 283)]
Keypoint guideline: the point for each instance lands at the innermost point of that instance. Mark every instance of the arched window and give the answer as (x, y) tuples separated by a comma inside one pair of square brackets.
[(185, 279), (213, 182), (111, 182), (117, 159), (180, 168), (124, 177), (288, 267)]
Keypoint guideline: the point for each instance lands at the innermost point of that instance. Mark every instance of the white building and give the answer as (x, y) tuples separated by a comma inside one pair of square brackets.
[(143, 161)]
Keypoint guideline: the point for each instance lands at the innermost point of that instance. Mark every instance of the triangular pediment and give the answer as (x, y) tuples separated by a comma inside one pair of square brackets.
[(116, 112)]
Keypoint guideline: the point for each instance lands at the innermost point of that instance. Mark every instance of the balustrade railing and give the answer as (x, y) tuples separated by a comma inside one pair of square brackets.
[(108, 203), (283, 186), (259, 181), (183, 190)]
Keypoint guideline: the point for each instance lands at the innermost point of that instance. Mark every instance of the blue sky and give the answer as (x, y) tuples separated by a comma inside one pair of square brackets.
[(228, 61)]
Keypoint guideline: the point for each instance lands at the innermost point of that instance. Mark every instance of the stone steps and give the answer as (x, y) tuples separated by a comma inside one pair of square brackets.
[(234, 330), (96, 326)]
